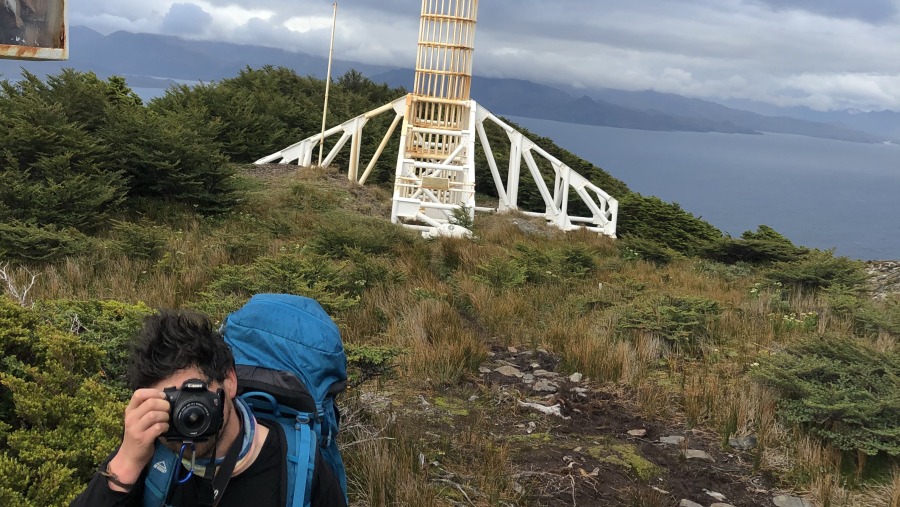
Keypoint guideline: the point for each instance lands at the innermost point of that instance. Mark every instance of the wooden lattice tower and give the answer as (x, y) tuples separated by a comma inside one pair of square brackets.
[(438, 135)]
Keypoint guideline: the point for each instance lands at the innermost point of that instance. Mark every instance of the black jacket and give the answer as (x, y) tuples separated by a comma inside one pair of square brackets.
[(264, 484)]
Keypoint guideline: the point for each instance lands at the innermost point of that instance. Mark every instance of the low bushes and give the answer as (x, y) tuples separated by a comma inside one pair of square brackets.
[(818, 270), (761, 247), (58, 415), (840, 390), (683, 321), (32, 243), (664, 223)]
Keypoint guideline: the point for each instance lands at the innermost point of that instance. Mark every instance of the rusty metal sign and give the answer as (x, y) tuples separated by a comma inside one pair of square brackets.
[(34, 30)]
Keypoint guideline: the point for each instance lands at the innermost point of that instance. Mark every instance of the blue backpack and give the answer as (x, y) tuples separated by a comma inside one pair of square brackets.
[(290, 365)]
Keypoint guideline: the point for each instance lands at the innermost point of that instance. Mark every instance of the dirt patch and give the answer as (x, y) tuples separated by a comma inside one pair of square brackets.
[(585, 455)]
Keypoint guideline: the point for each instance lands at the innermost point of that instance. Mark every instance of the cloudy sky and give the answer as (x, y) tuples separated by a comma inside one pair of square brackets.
[(824, 54)]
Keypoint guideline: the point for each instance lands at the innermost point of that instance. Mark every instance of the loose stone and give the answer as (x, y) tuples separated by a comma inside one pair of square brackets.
[(696, 454), (717, 496), (637, 433), (509, 371), (673, 440), (687, 503), (513, 350), (745, 443), (576, 377), (791, 501), (545, 387)]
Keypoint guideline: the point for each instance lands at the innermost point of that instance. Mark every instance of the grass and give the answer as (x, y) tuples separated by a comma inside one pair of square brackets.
[(444, 303)]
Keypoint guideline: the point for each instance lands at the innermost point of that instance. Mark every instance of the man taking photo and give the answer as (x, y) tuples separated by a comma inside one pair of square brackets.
[(183, 375)]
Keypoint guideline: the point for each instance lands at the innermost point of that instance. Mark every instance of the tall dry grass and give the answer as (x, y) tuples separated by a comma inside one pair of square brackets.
[(444, 320)]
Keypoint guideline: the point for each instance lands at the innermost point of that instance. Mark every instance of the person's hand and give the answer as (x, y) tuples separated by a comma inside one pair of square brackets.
[(146, 418)]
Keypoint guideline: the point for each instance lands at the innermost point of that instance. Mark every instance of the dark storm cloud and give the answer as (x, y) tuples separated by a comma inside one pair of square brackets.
[(186, 19)]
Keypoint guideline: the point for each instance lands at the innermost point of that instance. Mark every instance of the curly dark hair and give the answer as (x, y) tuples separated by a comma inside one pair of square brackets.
[(172, 340)]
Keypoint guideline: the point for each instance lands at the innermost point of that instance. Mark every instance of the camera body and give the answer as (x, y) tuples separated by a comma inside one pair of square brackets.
[(195, 412)]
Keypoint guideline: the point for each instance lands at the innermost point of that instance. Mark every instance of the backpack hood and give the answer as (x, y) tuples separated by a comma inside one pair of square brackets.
[(289, 333)]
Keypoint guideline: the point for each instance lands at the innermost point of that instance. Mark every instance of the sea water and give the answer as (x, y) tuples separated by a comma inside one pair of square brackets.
[(819, 193)]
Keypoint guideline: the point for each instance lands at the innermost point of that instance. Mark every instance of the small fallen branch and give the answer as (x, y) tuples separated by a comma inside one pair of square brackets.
[(552, 410), (20, 294)]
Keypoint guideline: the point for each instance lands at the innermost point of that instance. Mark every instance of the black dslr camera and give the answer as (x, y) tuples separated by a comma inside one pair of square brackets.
[(195, 413)]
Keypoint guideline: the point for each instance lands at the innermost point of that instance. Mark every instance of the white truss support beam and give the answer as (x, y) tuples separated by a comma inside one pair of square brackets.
[(381, 147), (355, 147), (336, 149), (598, 213), (552, 211), (565, 172), (515, 167), (495, 172), (428, 220)]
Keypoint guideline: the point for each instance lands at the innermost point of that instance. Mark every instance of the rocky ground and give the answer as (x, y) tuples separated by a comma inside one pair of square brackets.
[(572, 442), (884, 278)]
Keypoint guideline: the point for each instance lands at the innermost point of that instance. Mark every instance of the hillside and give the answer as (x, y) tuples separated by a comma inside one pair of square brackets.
[(525, 367), (152, 61)]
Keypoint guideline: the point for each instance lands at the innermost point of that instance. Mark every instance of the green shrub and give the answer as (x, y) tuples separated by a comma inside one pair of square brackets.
[(840, 390), (58, 418), (463, 217), (266, 109), (635, 247), (366, 362), (867, 316), (173, 156), (761, 247), (108, 325), (665, 223), (139, 241), (31, 243), (501, 273), (539, 265), (557, 262), (818, 270), (683, 321), (52, 171), (844, 301), (341, 232), (872, 318), (327, 281)]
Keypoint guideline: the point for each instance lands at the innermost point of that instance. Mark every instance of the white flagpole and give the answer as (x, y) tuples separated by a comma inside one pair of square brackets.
[(327, 84)]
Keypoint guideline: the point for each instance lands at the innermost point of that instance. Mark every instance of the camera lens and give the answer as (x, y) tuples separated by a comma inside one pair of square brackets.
[(192, 419), (195, 412)]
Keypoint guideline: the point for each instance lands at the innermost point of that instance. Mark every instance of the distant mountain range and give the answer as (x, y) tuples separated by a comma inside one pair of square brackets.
[(157, 61)]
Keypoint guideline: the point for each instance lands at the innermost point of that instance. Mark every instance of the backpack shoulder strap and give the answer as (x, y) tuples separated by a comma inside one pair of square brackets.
[(159, 476), (301, 460), (301, 442)]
